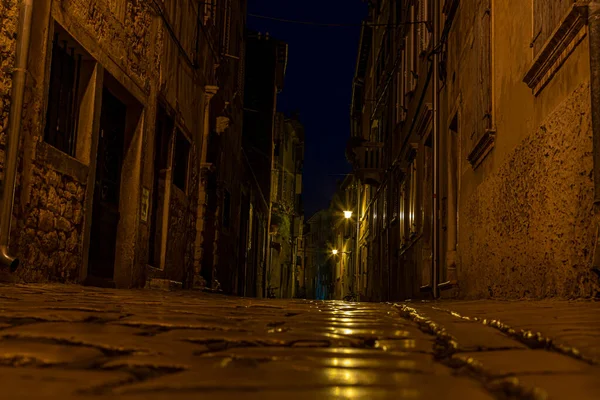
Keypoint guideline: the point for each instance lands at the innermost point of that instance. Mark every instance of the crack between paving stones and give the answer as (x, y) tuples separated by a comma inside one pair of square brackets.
[(108, 351), (446, 347), (139, 374), (254, 389), (166, 328), (531, 339)]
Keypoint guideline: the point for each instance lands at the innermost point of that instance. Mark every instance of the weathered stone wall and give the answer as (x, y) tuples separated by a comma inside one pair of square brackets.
[(528, 230), (8, 27), (122, 28), (50, 236), (179, 263)]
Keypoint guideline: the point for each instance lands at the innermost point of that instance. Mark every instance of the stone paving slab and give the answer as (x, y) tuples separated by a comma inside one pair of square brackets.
[(474, 336), (538, 366), (528, 362), (62, 341), (565, 386), (573, 323), (156, 344)]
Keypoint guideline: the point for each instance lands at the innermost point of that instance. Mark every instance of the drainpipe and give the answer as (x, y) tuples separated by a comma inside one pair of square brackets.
[(356, 282), (209, 93), (436, 136), (14, 132), (594, 44)]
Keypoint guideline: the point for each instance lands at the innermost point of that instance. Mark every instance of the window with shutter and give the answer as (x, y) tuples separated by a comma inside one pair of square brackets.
[(546, 16), (424, 34), (402, 212), (481, 123), (412, 206), (226, 26), (412, 48)]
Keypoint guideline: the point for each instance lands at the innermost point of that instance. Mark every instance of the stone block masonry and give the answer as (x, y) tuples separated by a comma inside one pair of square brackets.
[(51, 231), (8, 26)]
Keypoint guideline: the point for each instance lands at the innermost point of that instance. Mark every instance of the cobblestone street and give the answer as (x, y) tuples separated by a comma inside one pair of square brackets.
[(77, 342)]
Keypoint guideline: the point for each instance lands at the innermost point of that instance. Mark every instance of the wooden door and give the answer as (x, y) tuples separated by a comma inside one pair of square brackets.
[(105, 210)]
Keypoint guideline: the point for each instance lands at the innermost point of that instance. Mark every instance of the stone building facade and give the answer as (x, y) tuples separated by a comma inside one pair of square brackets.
[(343, 210), (224, 238), (318, 265), (115, 132), (266, 63), (475, 142), (286, 210)]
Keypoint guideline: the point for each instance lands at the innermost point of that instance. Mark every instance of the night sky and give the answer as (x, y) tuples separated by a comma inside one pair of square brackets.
[(318, 82)]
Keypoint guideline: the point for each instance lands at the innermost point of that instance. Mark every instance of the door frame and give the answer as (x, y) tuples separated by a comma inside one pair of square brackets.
[(131, 173)]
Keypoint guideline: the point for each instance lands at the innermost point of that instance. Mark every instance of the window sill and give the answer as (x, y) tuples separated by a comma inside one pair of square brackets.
[(482, 148), (61, 162), (560, 45), (179, 194)]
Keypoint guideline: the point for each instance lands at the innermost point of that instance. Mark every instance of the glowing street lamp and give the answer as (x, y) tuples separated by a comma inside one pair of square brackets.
[(347, 214), (334, 252)]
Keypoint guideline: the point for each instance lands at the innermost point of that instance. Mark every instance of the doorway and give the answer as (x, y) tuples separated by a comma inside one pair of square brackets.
[(243, 246), (105, 209), (164, 130)]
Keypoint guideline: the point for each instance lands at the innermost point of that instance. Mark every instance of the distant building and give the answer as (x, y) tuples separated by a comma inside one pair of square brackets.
[(343, 211), (266, 62), (287, 215), (224, 238), (318, 265)]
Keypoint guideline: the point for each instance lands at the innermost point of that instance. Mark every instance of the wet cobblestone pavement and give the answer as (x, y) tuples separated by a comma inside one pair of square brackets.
[(75, 342)]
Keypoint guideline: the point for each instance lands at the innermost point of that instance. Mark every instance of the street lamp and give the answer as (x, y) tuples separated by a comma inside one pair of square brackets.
[(347, 214), (334, 252)]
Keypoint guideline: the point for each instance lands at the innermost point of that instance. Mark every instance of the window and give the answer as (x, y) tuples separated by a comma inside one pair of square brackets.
[(182, 155), (226, 26), (412, 46), (385, 208), (546, 16), (422, 28), (403, 219), (399, 13), (412, 205), (226, 208), (210, 11), (63, 99), (400, 94)]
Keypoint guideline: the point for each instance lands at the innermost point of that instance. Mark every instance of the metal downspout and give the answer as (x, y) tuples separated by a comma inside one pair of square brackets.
[(14, 131), (594, 45), (356, 284), (436, 145)]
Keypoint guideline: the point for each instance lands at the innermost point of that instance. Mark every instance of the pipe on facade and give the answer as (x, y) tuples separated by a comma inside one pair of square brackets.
[(594, 45), (436, 144), (14, 132), (356, 279)]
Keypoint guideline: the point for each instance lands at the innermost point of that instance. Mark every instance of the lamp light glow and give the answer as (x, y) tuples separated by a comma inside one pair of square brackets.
[(334, 251), (347, 214)]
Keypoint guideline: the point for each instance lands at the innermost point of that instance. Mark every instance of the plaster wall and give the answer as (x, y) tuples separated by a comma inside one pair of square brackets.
[(526, 222)]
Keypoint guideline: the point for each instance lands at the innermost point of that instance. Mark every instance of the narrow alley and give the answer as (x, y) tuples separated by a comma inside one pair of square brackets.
[(69, 341), (269, 199)]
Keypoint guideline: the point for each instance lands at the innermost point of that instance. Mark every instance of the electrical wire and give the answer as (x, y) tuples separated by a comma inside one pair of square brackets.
[(331, 25), (175, 38), (187, 57)]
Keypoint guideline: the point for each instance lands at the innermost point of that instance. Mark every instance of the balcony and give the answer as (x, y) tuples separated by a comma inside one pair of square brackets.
[(369, 163)]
